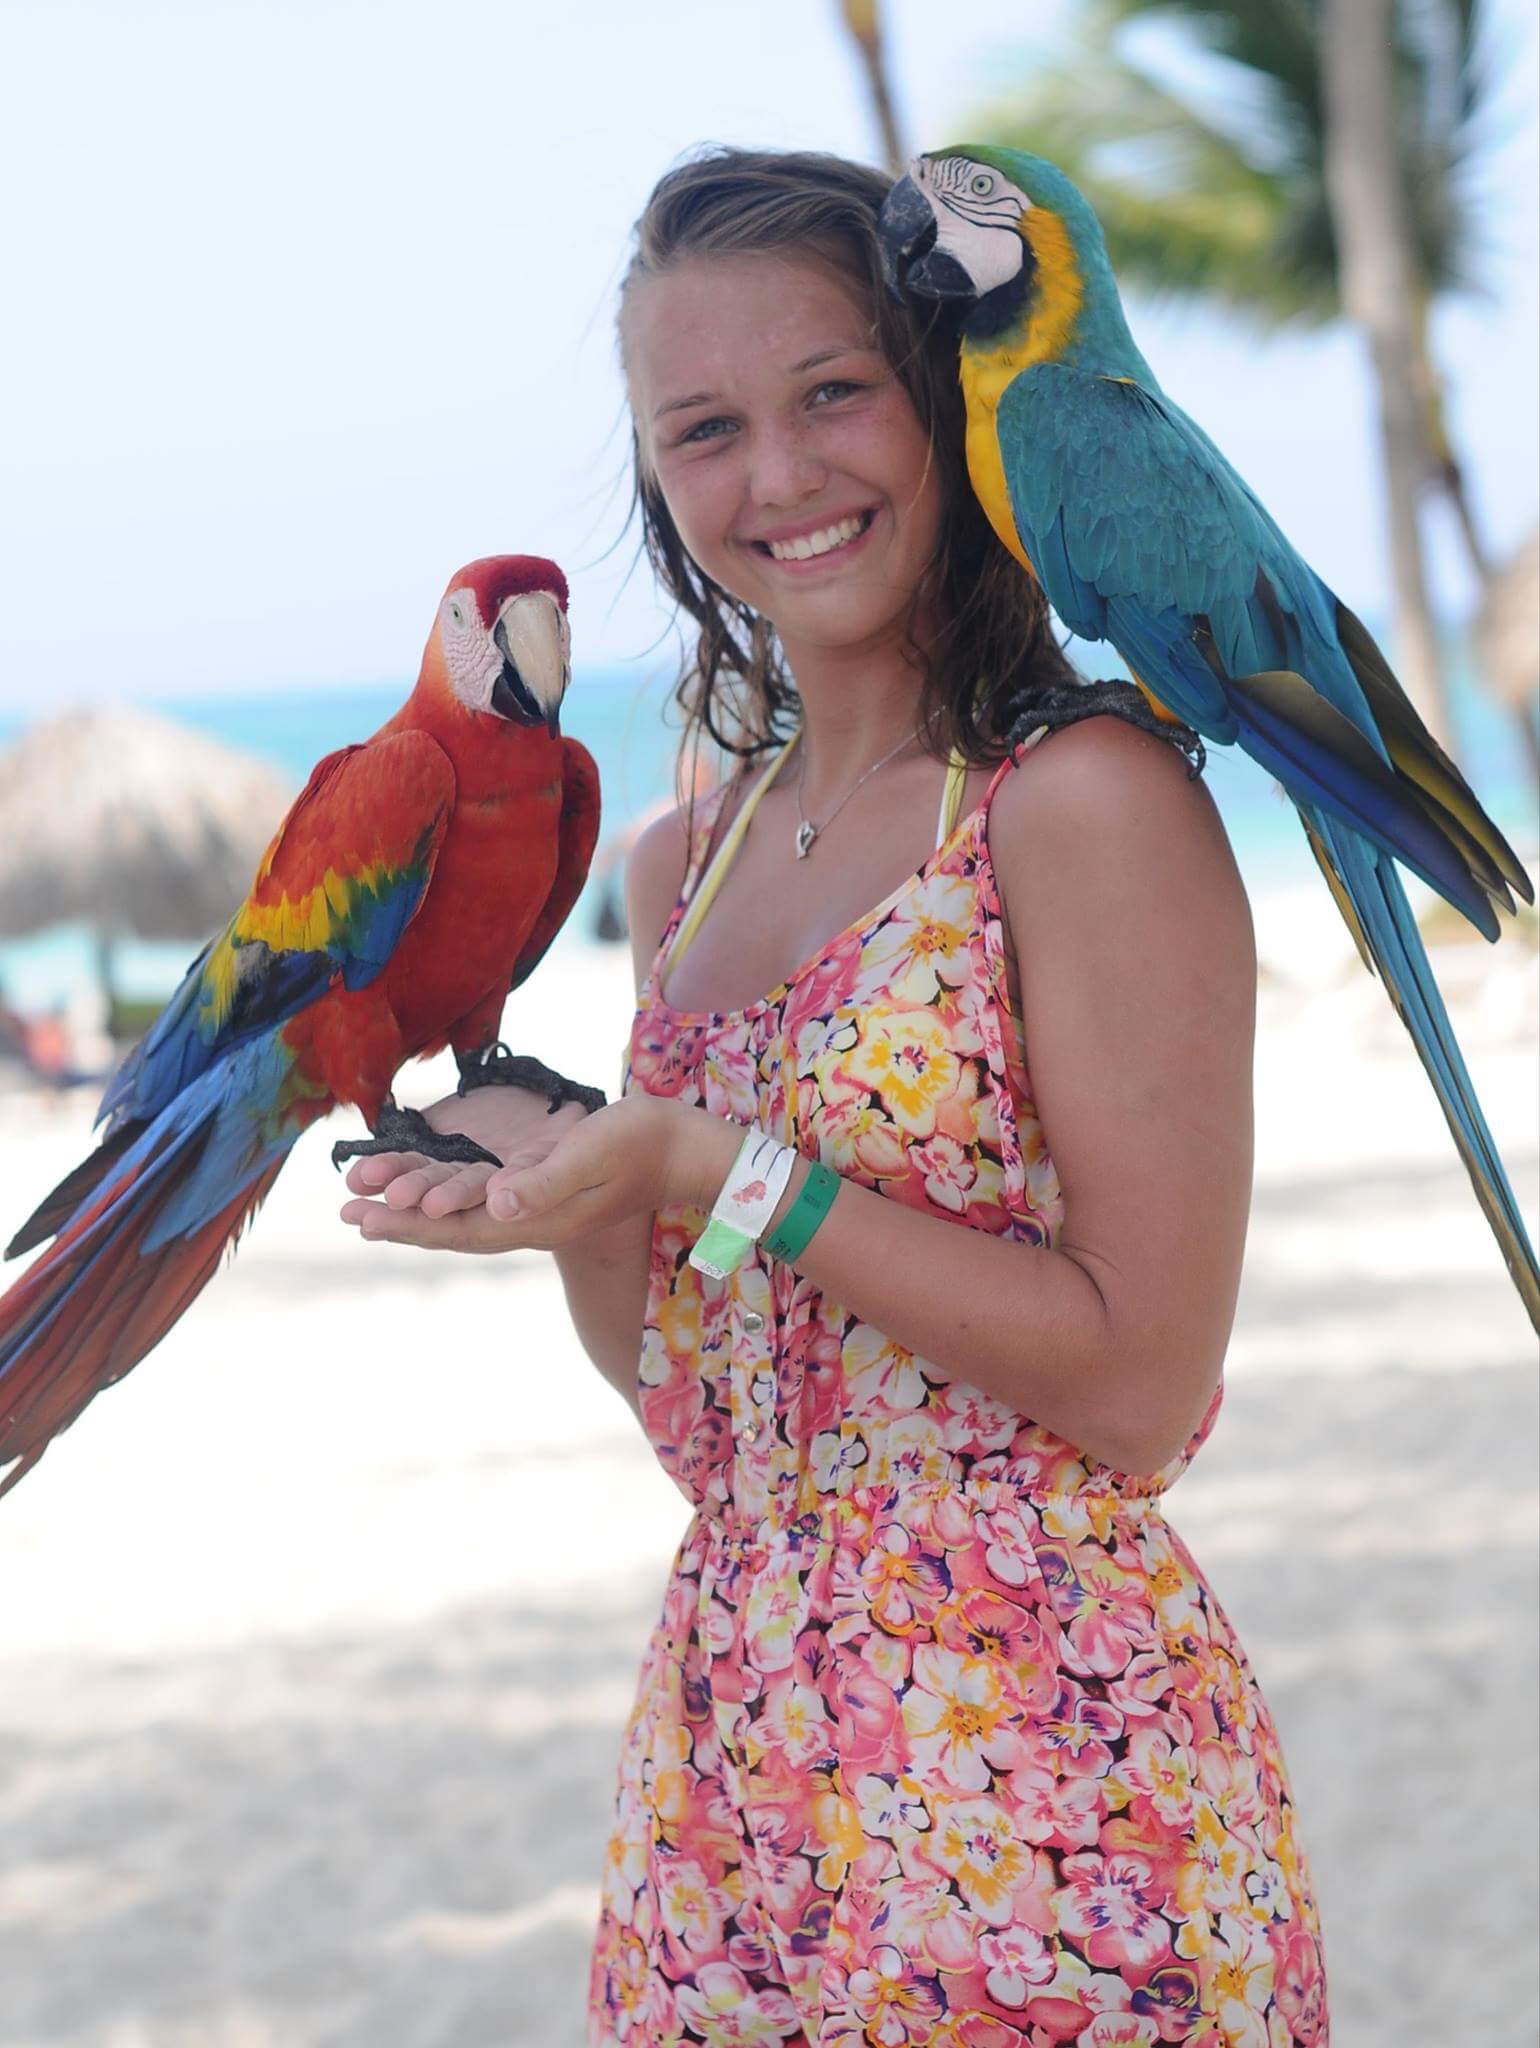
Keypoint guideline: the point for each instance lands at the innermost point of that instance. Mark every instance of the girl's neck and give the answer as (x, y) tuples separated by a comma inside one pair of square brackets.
[(857, 704)]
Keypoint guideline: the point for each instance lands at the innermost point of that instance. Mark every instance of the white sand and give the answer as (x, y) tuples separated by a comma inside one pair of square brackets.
[(320, 1631)]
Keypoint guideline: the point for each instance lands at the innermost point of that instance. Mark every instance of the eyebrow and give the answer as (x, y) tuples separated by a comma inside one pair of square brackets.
[(822, 355)]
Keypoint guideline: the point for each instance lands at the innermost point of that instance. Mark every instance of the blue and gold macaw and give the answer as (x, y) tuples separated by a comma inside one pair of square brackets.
[(1142, 534)]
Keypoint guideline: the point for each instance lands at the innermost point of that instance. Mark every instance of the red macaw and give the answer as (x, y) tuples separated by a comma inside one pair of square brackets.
[(417, 878)]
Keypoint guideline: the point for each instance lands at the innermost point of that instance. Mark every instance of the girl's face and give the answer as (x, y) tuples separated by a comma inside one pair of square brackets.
[(789, 454)]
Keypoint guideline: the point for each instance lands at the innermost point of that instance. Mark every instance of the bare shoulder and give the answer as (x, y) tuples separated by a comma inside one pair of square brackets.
[(1104, 820), (655, 869)]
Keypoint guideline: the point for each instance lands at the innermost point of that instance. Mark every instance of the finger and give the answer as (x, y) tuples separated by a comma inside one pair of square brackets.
[(376, 1168), (464, 1188), (408, 1191), (379, 1225), (573, 1165)]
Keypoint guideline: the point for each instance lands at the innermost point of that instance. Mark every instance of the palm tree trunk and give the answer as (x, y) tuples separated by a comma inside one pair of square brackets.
[(1379, 291), (1448, 472), (863, 19)]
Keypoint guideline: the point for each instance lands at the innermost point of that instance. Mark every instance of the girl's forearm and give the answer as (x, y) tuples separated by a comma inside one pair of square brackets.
[(605, 1278), (1027, 1325)]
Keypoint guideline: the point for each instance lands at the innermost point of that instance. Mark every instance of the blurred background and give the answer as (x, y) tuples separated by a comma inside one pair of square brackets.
[(322, 1632)]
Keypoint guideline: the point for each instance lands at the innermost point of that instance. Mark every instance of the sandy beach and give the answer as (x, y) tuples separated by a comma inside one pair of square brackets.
[(319, 1631)]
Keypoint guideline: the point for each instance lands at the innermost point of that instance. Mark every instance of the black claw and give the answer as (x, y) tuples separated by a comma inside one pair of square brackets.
[(408, 1130), (497, 1067)]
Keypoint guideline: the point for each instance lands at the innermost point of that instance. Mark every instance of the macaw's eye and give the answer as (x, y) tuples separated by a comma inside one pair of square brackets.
[(457, 615), (983, 185)]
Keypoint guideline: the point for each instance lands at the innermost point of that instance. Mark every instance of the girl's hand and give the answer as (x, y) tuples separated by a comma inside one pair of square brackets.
[(632, 1157), (512, 1122)]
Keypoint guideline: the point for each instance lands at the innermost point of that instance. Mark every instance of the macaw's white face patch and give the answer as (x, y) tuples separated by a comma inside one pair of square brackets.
[(472, 660), (978, 217)]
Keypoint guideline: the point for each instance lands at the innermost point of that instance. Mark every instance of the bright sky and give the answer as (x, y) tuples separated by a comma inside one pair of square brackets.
[(308, 301)]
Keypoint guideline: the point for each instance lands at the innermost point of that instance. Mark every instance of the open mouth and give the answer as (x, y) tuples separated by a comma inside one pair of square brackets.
[(828, 540)]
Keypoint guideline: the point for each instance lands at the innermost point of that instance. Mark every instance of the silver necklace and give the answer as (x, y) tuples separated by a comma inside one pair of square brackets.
[(807, 831)]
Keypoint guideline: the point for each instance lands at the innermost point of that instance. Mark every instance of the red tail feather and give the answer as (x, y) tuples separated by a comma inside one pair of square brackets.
[(95, 1303)]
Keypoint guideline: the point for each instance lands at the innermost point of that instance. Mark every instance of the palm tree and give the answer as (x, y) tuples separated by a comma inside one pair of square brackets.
[(863, 20), (1205, 153)]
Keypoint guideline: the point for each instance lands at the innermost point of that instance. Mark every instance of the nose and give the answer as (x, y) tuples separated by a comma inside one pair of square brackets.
[(784, 468)]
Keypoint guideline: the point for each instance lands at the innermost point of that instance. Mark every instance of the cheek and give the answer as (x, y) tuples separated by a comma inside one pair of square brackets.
[(702, 499)]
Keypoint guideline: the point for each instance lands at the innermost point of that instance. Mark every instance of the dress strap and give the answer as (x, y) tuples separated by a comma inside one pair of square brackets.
[(700, 902), (951, 796)]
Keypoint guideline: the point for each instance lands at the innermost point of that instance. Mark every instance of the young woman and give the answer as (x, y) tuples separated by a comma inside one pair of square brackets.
[(941, 1737)]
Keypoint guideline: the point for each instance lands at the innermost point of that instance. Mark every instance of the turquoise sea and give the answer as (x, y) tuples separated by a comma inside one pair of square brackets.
[(622, 721)]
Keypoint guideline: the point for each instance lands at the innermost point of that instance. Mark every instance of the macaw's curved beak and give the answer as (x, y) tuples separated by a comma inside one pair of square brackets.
[(911, 262), (531, 636)]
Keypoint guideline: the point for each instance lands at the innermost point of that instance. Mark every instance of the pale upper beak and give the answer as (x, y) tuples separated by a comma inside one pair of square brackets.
[(532, 636)]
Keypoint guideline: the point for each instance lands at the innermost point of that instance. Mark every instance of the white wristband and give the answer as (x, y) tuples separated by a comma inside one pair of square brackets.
[(744, 1206)]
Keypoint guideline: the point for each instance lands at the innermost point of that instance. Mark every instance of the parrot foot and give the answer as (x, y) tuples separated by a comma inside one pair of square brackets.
[(408, 1130), (496, 1067)]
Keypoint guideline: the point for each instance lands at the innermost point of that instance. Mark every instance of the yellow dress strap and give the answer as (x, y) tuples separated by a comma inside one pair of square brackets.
[(951, 796), (711, 881)]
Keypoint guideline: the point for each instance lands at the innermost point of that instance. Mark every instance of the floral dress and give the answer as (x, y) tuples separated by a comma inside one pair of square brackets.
[(942, 1737)]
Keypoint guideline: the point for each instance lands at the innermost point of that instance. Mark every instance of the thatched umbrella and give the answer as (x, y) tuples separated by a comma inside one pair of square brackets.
[(1508, 638), (131, 823)]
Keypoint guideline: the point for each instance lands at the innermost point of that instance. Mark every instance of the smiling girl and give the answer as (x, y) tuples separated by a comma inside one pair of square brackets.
[(942, 1736)]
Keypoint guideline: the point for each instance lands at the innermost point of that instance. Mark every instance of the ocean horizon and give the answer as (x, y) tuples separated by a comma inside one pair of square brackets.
[(620, 717)]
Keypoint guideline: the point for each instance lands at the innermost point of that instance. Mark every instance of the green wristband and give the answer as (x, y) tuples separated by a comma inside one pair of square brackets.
[(720, 1249), (815, 1198)]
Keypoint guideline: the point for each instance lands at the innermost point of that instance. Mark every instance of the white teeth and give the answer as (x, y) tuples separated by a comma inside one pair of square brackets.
[(806, 545)]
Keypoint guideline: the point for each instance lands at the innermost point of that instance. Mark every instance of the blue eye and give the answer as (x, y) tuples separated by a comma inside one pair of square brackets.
[(838, 385), (702, 430)]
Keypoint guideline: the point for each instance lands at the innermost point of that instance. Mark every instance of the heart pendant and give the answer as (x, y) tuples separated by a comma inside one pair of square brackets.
[(806, 834)]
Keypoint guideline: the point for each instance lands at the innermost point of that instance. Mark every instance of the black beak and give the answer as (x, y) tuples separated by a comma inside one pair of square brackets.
[(911, 262)]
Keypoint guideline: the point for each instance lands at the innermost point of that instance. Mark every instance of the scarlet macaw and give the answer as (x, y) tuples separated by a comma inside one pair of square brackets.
[(417, 878), (1141, 533)]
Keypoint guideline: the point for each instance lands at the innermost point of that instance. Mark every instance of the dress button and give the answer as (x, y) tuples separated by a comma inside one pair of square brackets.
[(751, 1434), (753, 1321)]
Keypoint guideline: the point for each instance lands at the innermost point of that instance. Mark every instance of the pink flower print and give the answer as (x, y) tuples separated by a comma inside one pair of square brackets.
[(1111, 1905), (975, 1843), (1213, 1879), (1008, 1540), (895, 2003), (928, 1921), (1078, 1729), (1120, 2030), (924, 942), (721, 2008), (1298, 1982), (796, 1724), (949, 1171), (1016, 1958), (1155, 1771), (890, 1806), (855, 1135), (781, 1869), (691, 1909), (911, 1451), (1059, 1813), (957, 1711), (903, 1056), (869, 1718), (879, 1374), (1106, 1613), (903, 1586), (837, 1826), (981, 1623), (819, 994), (1244, 1968), (835, 1456), (1171, 1998)]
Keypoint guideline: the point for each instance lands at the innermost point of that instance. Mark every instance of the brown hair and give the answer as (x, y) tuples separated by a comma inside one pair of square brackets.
[(993, 650)]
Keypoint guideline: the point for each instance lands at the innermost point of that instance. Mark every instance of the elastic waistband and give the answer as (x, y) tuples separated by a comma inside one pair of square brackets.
[(916, 1496)]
